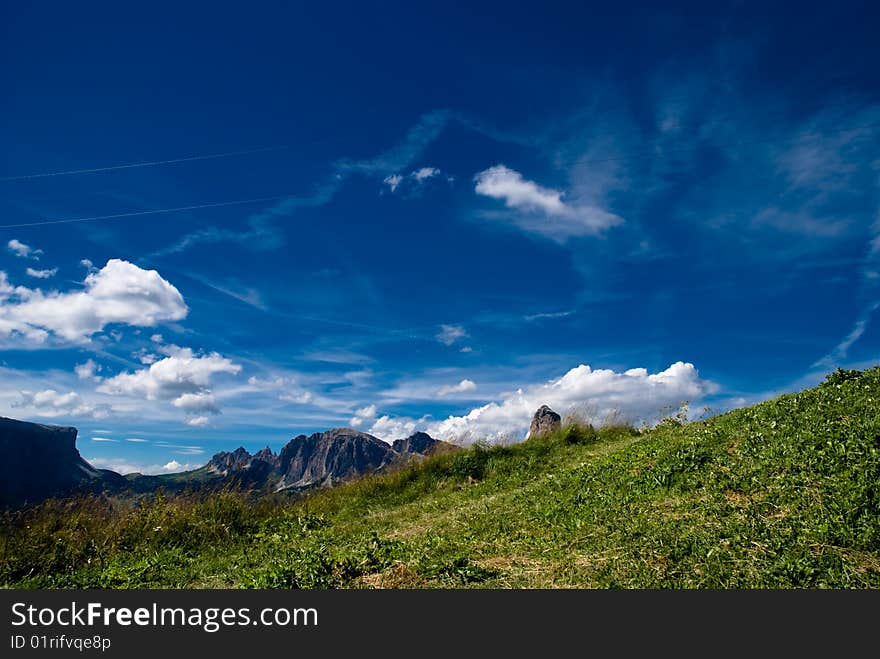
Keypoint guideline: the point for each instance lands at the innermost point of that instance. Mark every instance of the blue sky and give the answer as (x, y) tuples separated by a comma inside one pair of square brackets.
[(225, 227)]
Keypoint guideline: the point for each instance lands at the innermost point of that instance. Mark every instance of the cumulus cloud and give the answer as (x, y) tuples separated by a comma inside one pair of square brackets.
[(362, 416), (391, 428), (22, 250), (88, 370), (183, 378), (449, 334), (198, 402), (120, 292), (500, 182), (592, 395), (42, 274), (541, 210), (464, 385)]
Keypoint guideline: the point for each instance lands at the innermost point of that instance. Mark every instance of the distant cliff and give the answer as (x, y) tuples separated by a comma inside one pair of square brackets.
[(41, 461)]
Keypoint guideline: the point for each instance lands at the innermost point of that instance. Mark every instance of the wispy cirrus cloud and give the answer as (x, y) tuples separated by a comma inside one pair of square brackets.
[(425, 131), (262, 232)]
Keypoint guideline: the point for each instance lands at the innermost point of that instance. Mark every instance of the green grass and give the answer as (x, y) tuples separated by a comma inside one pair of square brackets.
[(785, 494)]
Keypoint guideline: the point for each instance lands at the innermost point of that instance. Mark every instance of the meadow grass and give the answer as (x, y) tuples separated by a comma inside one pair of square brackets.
[(783, 494)]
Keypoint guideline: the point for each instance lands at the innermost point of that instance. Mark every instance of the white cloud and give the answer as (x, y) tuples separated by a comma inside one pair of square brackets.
[(269, 383), (539, 205), (88, 370), (87, 264), (144, 356), (103, 439), (301, 397), (174, 465), (120, 292), (500, 182), (183, 378), (137, 440), (42, 274), (362, 416), (392, 181), (156, 338), (23, 251), (593, 395), (197, 402), (414, 180), (466, 349), (389, 429), (169, 378), (197, 421), (464, 385), (449, 334), (425, 173), (51, 403)]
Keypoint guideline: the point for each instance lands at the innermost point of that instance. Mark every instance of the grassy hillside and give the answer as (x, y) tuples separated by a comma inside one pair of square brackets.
[(782, 494)]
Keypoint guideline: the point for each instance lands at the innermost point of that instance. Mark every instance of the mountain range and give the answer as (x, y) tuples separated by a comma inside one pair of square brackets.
[(42, 461)]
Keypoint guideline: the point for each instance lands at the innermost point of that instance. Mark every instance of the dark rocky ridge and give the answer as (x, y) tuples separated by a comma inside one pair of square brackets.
[(420, 443), (225, 463), (41, 461), (322, 459), (327, 458)]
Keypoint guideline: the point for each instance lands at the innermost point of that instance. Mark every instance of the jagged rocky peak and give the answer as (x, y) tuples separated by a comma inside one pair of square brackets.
[(420, 443), (266, 455), (327, 458), (544, 421), (225, 462)]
